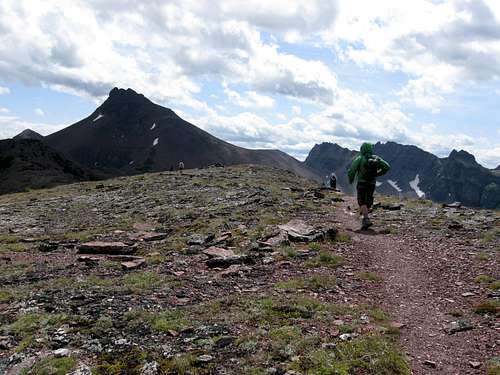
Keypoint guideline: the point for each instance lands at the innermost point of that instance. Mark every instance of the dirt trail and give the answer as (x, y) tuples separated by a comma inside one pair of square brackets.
[(420, 287)]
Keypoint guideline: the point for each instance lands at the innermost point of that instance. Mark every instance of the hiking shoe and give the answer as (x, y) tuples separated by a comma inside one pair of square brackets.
[(366, 224)]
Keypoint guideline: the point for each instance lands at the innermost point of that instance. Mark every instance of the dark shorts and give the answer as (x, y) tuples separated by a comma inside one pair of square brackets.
[(365, 194)]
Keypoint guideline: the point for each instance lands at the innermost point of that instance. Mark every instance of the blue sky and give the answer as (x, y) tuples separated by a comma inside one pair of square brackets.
[(282, 74)]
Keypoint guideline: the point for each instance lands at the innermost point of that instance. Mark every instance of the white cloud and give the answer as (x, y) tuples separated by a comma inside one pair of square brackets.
[(12, 125), (4, 90), (39, 112), (4, 110)]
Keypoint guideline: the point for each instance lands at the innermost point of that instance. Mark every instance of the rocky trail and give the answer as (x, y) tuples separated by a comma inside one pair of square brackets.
[(242, 270), (426, 286)]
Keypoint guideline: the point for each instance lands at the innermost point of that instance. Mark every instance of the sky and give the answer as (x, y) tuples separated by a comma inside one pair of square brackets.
[(280, 74)]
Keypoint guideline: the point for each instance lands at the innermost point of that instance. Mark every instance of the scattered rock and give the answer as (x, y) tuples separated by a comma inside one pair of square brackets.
[(452, 205), (468, 294), (205, 358), (474, 364), (153, 236), (198, 239), (101, 247), (133, 264), (430, 364), (299, 231), (150, 368), (224, 258), (48, 246), (460, 326), (63, 352), (81, 369), (455, 225)]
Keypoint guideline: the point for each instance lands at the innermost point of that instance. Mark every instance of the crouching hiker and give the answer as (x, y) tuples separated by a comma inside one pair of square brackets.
[(367, 167)]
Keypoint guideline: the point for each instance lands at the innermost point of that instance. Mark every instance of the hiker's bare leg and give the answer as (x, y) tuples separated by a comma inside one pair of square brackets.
[(364, 211)]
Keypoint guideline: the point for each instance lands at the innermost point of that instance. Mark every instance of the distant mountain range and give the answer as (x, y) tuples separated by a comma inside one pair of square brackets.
[(417, 173), (129, 134)]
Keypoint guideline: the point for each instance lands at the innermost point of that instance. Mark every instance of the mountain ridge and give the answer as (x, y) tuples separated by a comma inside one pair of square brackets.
[(417, 173), (130, 134)]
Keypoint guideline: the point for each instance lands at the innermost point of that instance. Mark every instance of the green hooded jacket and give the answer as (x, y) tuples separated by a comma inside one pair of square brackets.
[(358, 166)]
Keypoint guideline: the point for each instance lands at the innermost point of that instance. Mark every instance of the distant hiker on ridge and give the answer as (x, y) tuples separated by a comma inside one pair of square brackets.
[(367, 167), (333, 181), (181, 166)]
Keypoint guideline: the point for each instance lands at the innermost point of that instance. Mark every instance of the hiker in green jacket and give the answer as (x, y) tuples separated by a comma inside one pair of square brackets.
[(367, 167)]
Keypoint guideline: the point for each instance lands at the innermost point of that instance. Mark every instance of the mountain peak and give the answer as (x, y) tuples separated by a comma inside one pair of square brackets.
[(28, 134), (462, 155), (119, 96)]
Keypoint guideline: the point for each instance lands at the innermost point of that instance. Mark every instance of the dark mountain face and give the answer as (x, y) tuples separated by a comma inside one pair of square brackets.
[(30, 164), (129, 134), (417, 173), (29, 134)]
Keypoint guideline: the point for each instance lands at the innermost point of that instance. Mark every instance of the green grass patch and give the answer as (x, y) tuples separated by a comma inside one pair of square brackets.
[(6, 296), (139, 281), (182, 364), (52, 366), (325, 259), (493, 366), (119, 363), (372, 355), (484, 279), (368, 276), (491, 307), (288, 252), (343, 237), (164, 321)]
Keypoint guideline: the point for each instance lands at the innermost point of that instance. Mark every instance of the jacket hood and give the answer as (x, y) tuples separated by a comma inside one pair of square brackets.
[(366, 149)]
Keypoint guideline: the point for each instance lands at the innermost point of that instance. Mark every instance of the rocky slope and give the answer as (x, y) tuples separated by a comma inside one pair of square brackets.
[(417, 173), (128, 134), (242, 270), (31, 164)]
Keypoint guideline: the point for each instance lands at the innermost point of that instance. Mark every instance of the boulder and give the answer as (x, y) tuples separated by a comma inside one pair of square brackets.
[(102, 247), (299, 231), (154, 236), (133, 264)]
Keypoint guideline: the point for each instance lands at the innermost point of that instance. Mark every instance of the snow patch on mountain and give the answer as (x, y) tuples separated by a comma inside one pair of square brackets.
[(394, 184), (155, 142), (153, 126), (414, 185), (99, 116)]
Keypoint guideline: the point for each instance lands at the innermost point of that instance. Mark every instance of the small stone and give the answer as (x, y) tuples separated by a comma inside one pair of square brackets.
[(430, 364), (121, 342), (474, 364), (61, 352), (153, 236), (133, 264), (205, 358), (347, 336), (460, 326), (48, 246), (468, 294), (150, 368)]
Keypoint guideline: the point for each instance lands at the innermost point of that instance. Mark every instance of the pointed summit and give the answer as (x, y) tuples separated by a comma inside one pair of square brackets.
[(29, 134), (130, 134)]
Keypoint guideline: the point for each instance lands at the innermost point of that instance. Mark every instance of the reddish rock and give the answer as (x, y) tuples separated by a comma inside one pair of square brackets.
[(101, 247)]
